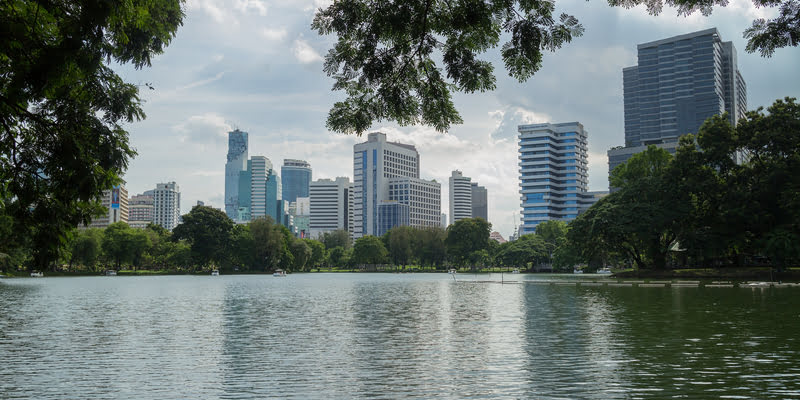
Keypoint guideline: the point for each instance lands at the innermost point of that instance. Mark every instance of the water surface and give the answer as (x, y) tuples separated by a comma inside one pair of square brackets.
[(392, 336)]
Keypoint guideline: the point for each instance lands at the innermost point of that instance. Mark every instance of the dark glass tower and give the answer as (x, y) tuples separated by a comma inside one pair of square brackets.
[(295, 178)]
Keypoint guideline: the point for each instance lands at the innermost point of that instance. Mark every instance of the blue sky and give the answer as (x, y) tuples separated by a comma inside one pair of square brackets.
[(257, 65)]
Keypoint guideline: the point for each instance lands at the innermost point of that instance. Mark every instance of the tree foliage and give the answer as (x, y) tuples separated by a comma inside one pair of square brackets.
[(401, 61), (207, 231), (385, 58), (62, 107), (369, 250), (465, 237), (729, 196)]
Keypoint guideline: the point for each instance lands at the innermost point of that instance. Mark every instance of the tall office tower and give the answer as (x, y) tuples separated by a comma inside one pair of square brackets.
[(277, 208), (444, 220), (295, 179), (678, 84), (167, 205), (460, 197), (237, 162), (259, 167), (423, 198), (300, 210), (553, 172), (480, 205), (115, 201), (331, 206), (140, 210), (374, 162)]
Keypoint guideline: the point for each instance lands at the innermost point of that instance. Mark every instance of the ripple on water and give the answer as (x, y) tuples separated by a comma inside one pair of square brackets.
[(389, 336)]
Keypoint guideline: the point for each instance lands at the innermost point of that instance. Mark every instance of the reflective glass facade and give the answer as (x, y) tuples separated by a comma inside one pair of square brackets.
[(295, 179)]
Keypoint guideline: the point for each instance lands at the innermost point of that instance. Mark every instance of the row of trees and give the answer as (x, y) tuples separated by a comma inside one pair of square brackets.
[(729, 196), (207, 238)]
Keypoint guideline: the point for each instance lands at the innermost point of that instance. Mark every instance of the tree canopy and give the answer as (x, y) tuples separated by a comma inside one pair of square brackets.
[(62, 107), (401, 61)]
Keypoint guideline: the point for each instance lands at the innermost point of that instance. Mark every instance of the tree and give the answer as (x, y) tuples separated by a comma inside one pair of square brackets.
[(337, 257), (301, 253), (398, 241), (207, 231), (429, 243), (62, 107), (85, 247), (369, 250), (466, 236), (270, 244), (387, 55), (317, 253), (337, 238), (117, 243)]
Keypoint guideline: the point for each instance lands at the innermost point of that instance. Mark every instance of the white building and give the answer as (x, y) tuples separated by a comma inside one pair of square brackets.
[(330, 206), (460, 197), (553, 161), (374, 163), (115, 201), (300, 213), (141, 210), (424, 200), (259, 167), (167, 205)]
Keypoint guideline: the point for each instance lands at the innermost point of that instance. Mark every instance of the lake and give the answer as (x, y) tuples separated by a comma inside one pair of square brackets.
[(392, 336)]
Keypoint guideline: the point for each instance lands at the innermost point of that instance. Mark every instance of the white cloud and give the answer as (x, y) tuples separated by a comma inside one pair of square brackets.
[(305, 53), (274, 35), (204, 128), (203, 81), (244, 6)]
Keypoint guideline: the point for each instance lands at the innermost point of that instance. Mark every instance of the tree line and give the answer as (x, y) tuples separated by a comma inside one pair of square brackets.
[(730, 196)]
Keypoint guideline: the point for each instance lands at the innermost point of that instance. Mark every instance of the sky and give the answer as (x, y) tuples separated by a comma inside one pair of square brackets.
[(256, 65)]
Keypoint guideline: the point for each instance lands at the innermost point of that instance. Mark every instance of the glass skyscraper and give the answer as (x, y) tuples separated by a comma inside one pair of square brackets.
[(237, 162), (295, 179), (553, 161), (678, 83)]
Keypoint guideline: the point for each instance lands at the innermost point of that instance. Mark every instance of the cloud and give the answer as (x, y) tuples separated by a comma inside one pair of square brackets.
[(305, 53), (274, 35), (203, 81), (223, 12), (511, 117), (208, 128)]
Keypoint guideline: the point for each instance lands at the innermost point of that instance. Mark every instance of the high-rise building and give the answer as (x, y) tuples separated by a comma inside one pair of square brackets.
[(553, 160), (300, 210), (115, 201), (237, 162), (258, 168), (392, 214), (331, 205), (444, 220), (422, 197), (140, 210), (460, 197), (480, 205), (167, 205), (374, 163), (295, 179), (679, 82)]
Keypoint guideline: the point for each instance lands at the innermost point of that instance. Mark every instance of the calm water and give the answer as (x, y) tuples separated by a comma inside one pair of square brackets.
[(391, 336)]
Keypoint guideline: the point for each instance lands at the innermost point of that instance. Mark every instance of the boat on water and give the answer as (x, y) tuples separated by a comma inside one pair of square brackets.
[(577, 271), (604, 270), (515, 271), (215, 272), (37, 274), (451, 271), (279, 273), (111, 272)]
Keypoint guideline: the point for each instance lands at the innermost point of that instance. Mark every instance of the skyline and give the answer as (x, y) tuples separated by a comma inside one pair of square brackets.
[(257, 66)]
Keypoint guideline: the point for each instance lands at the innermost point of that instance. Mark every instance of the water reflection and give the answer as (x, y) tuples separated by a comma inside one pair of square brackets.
[(391, 336)]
